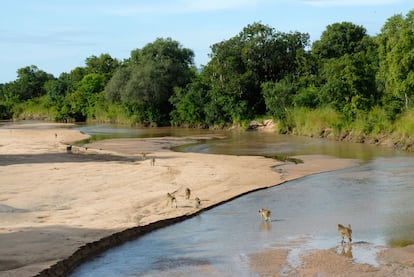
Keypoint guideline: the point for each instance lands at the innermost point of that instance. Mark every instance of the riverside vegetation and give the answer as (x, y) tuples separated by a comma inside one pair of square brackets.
[(347, 85)]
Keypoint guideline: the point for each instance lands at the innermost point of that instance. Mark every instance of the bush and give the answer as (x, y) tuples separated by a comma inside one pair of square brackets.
[(404, 126), (314, 122)]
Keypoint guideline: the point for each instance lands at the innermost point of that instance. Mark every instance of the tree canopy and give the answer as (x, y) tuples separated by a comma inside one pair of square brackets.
[(147, 80)]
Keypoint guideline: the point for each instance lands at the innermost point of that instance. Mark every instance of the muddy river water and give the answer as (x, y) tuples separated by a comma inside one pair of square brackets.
[(376, 197)]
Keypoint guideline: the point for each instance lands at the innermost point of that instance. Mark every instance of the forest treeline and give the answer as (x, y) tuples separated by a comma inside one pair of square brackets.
[(346, 80)]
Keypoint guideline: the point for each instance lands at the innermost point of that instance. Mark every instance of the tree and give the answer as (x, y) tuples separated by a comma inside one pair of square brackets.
[(395, 76), (189, 103), (57, 89), (348, 64), (117, 84), (339, 39), (30, 82), (104, 65), (279, 97), (148, 79), (79, 105), (7, 100), (241, 64)]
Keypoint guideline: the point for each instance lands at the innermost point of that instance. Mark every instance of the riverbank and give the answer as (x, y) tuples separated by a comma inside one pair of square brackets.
[(53, 202)]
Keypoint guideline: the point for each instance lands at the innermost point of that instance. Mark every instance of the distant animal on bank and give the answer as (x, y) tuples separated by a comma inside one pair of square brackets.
[(345, 232), (197, 202), (152, 161), (171, 199), (265, 214), (187, 193)]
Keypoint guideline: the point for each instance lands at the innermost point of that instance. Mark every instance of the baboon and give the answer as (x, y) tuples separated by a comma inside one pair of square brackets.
[(152, 161), (144, 156), (187, 193), (69, 148), (171, 199), (265, 214), (345, 232), (348, 251), (55, 135), (197, 202)]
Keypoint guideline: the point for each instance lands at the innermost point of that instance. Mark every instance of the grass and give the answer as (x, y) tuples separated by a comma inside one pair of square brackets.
[(400, 242), (312, 123), (284, 158), (36, 108), (404, 125)]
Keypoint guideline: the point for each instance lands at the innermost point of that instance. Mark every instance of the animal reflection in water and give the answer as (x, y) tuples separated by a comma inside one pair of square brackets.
[(265, 226)]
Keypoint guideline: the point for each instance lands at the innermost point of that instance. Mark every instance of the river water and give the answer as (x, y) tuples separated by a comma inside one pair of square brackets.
[(376, 197)]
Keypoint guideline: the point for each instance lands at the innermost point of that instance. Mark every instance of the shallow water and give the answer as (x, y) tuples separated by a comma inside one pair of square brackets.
[(245, 143)]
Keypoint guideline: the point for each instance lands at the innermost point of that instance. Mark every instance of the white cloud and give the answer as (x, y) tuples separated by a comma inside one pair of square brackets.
[(332, 3)]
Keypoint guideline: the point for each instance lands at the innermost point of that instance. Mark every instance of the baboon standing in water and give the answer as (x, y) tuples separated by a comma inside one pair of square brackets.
[(345, 232), (265, 214), (348, 252), (197, 202), (171, 199), (187, 193)]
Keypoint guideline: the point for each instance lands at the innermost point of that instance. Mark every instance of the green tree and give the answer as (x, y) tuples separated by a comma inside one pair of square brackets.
[(279, 97), (241, 64), (57, 89), (339, 39), (30, 82), (148, 81), (7, 101), (104, 65), (117, 84), (74, 77), (80, 104), (395, 76), (348, 64), (189, 103)]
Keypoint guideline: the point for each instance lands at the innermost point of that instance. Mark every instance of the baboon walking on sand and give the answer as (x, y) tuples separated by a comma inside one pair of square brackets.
[(171, 199), (197, 202), (187, 193)]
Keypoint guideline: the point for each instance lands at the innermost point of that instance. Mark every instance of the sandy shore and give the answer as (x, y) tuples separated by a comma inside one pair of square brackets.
[(53, 202)]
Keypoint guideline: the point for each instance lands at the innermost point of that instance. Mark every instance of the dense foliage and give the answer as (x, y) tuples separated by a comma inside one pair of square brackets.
[(350, 79)]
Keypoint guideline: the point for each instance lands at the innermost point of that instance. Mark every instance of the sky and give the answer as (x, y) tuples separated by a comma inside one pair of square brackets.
[(58, 35)]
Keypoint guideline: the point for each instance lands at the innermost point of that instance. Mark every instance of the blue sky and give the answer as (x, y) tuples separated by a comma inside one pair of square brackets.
[(58, 35)]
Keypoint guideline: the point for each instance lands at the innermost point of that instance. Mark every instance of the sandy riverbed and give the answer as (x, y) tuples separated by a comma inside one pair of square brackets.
[(52, 202)]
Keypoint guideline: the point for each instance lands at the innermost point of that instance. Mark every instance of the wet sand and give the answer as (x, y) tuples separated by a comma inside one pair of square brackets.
[(53, 202), (392, 262)]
